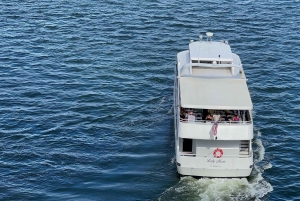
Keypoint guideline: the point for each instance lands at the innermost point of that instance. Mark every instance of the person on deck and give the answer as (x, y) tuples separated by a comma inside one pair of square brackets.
[(217, 117), (236, 117), (209, 117), (191, 117)]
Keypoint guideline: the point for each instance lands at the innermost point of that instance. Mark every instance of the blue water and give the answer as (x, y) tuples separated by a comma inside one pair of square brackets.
[(86, 97)]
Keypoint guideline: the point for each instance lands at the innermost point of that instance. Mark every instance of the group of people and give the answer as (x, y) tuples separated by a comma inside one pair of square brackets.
[(190, 116), (217, 117)]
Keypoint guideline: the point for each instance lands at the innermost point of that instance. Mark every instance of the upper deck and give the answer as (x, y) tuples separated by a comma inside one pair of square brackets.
[(209, 59), (210, 76), (199, 126)]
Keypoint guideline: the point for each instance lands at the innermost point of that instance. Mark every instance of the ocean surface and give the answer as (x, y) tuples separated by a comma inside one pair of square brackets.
[(86, 97)]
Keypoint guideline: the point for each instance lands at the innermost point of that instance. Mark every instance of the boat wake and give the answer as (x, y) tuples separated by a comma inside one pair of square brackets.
[(255, 187)]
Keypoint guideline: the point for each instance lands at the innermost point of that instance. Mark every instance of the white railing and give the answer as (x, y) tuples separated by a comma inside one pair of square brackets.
[(185, 120), (211, 155), (189, 65)]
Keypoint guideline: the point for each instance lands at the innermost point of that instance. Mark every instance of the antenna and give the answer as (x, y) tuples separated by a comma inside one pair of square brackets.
[(209, 35), (200, 36)]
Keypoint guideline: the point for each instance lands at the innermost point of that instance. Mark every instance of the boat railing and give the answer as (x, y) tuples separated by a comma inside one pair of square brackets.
[(185, 120), (189, 65), (211, 155)]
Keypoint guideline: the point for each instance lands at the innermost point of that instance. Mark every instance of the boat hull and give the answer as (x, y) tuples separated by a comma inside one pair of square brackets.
[(214, 167), (220, 173)]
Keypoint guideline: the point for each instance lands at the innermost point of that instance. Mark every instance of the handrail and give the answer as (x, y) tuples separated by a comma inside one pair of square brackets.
[(226, 156), (211, 122), (207, 65)]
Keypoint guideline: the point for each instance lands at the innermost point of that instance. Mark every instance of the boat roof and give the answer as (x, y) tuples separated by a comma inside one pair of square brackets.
[(210, 51), (214, 93)]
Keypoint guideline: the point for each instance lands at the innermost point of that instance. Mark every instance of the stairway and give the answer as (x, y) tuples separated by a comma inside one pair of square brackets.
[(244, 148)]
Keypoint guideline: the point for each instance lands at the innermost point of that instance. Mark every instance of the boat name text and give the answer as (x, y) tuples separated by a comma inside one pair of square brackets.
[(215, 161)]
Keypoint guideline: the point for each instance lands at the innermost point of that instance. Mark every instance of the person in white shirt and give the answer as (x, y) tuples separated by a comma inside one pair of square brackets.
[(217, 117), (191, 117)]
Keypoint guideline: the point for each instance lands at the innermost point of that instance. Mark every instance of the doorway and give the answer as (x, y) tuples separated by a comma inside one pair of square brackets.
[(187, 145)]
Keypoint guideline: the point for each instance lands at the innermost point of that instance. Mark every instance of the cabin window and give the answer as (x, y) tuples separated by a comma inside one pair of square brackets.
[(202, 61), (211, 62)]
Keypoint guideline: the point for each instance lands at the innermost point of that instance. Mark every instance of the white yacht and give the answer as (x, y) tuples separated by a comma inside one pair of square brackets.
[(212, 112)]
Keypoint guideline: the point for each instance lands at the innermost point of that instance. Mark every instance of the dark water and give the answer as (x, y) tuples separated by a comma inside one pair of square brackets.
[(86, 97)]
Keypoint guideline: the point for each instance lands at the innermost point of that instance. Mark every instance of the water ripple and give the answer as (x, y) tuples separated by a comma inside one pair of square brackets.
[(86, 97)]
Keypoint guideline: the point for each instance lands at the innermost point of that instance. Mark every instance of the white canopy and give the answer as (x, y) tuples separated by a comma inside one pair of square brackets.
[(214, 93), (210, 51)]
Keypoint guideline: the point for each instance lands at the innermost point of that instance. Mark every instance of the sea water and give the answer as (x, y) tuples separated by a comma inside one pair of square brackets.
[(87, 92)]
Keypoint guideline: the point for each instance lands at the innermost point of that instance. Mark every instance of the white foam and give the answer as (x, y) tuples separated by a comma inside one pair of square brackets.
[(261, 186), (190, 188), (260, 150), (268, 166), (253, 113), (258, 133), (173, 160)]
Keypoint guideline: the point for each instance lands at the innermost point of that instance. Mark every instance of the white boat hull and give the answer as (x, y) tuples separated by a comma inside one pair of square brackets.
[(214, 167)]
